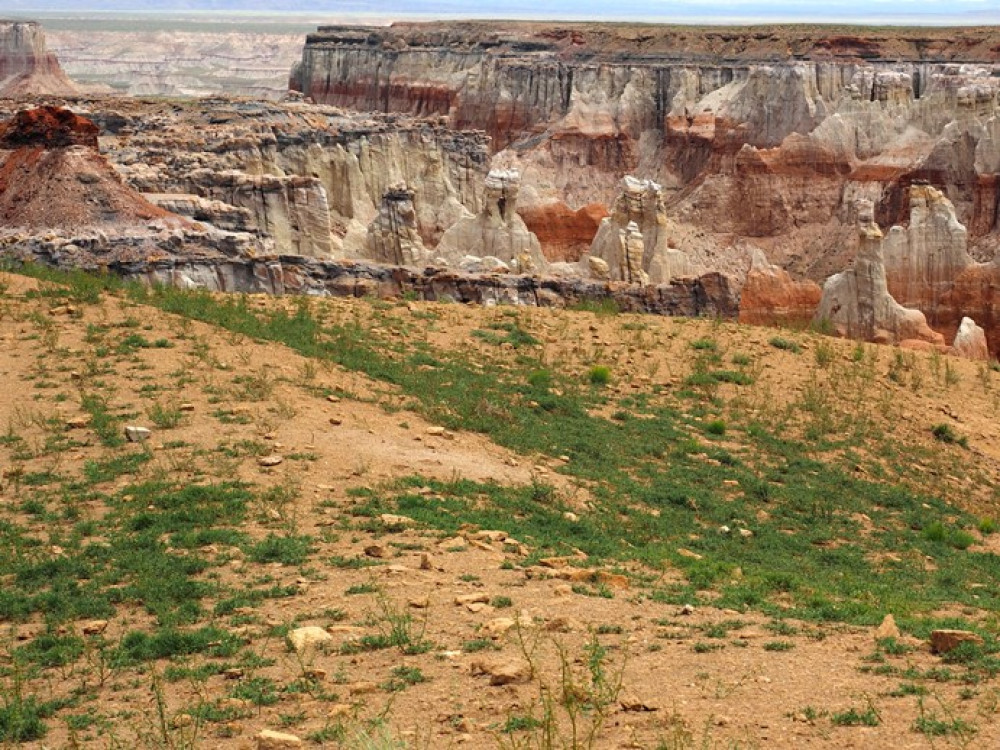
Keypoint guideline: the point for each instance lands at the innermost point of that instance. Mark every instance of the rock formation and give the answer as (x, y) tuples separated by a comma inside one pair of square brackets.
[(771, 297), (61, 197), (393, 236), (53, 177), (771, 136), (970, 341), (923, 260), (292, 210), (857, 301), (496, 231), (139, 61), (282, 161), (27, 68), (638, 215)]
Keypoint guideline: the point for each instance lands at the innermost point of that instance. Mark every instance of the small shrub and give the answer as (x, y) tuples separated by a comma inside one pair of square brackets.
[(824, 353), (599, 375), (786, 345), (946, 434), (987, 526), (854, 718), (704, 345), (716, 427), (402, 678), (541, 379), (779, 646), (164, 417)]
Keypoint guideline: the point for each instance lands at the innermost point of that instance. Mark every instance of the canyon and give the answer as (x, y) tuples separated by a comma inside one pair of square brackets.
[(614, 154), (488, 374)]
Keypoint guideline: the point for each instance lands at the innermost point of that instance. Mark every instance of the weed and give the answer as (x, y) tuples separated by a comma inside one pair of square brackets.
[(787, 345), (599, 375), (946, 434), (779, 646), (852, 717), (402, 678), (164, 417)]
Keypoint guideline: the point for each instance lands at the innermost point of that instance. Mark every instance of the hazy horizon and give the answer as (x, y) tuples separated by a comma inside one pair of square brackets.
[(919, 12)]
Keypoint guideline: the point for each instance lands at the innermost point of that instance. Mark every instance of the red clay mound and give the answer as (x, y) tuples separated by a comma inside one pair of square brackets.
[(56, 179), (48, 127)]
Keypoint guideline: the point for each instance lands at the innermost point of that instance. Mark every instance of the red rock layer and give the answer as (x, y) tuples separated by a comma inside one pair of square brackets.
[(564, 234), (976, 294), (772, 297), (55, 178), (48, 127)]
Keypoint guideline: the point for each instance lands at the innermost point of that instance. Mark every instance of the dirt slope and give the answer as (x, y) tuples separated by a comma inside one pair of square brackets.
[(221, 405)]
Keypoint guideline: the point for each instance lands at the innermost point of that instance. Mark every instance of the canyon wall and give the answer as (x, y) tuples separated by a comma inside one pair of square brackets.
[(309, 178), (27, 68), (763, 134)]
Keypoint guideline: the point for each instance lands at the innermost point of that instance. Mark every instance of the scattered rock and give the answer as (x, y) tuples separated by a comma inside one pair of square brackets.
[(465, 599), (888, 628), (94, 627), (270, 740), (362, 688), (687, 609), (614, 580), (943, 641), (391, 519), (435, 431), (377, 551), (307, 637), (77, 423), (502, 672), (136, 434), (422, 602), (631, 702), (339, 711), (272, 460)]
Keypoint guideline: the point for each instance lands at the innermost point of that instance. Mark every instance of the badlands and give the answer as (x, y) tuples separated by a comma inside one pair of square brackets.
[(501, 384)]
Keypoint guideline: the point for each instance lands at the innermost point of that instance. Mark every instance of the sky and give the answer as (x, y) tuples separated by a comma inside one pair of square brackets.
[(937, 12)]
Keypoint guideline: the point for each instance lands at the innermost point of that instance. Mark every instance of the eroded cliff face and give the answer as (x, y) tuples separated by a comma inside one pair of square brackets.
[(857, 301), (311, 178), (764, 135), (62, 201), (27, 68)]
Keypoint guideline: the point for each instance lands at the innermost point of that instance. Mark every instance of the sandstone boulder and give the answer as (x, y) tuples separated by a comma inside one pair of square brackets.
[(271, 740), (970, 341), (945, 640), (306, 638)]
